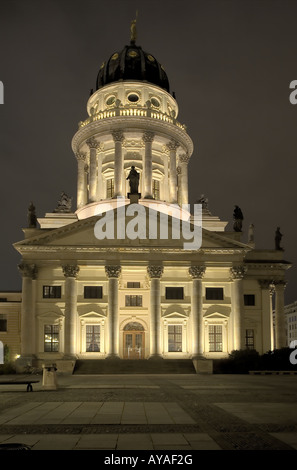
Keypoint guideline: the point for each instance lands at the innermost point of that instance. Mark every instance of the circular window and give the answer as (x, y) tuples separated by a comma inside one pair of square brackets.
[(110, 100), (133, 97), (155, 102)]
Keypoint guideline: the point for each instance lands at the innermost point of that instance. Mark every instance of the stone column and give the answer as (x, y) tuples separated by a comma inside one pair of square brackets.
[(70, 344), (172, 146), (100, 189), (197, 273), (148, 138), (155, 274), (271, 292), (113, 273), (28, 340), (183, 178), (118, 138), (237, 275), (280, 322), (81, 181), (266, 315), (93, 178)]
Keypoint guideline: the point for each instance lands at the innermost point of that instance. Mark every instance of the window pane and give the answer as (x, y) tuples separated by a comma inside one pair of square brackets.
[(133, 300), (249, 299), (93, 338), (133, 285), (215, 338), (175, 338), (214, 293), (93, 292), (51, 338), (174, 293)]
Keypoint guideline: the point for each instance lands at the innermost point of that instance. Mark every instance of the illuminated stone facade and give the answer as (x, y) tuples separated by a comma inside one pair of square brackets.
[(145, 297)]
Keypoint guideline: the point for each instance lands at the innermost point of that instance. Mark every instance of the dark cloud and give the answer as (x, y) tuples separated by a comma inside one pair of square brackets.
[(230, 64)]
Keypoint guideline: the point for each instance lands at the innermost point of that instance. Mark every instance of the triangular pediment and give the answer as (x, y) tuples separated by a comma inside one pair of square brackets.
[(138, 230)]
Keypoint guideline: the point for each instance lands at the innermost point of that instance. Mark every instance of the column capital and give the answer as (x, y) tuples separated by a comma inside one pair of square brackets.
[(172, 145), (148, 136), (70, 270), (92, 143), (81, 157), (184, 158), (265, 283), (28, 270), (118, 136), (238, 272), (113, 271), (155, 271), (280, 283), (197, 272)]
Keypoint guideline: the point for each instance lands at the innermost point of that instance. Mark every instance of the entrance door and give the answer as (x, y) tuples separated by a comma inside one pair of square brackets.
[(133, 344)]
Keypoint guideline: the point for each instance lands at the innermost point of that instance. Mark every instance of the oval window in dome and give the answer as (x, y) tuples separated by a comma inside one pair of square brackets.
[(133, 97), (155, 102), (115, 56), (110, 100)]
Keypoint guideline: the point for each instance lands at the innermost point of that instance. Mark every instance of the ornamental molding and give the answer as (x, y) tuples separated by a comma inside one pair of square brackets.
[(279, 283), (155, 272), (141, 124), (238, 272), (197, 272), (28, 270), (113, 271), (133, 143), (70, 270), (265, 283)]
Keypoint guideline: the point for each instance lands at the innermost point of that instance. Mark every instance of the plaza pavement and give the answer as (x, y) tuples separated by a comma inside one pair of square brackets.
[(154, 412)]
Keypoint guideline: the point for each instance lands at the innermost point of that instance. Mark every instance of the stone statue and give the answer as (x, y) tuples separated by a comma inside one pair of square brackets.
[(238, 218), (133, 30), (64, 203), (278, 237), (133, 178), (251, 234), (203, 201), (32, 219)]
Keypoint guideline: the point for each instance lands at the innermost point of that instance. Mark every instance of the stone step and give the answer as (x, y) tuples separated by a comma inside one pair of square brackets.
[(130, 366)]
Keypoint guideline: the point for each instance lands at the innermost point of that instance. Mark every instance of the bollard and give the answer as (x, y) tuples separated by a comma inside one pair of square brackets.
[(49, 378)]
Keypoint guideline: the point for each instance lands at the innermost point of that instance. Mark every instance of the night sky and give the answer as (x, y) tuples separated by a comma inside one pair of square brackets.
[(230, 64)]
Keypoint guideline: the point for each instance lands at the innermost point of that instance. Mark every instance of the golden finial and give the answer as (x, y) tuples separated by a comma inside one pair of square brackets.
[(133, 29)]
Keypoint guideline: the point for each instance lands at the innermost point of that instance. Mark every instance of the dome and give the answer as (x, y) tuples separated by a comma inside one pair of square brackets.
[(132, 63)]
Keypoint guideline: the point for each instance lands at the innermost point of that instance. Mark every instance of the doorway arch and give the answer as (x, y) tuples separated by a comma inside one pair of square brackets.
[(133, 341)]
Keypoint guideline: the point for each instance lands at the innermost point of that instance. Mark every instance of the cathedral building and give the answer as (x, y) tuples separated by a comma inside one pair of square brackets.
[(111, 279)]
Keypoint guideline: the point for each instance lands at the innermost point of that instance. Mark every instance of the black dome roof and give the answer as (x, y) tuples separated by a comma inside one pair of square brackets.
[(132, 63)]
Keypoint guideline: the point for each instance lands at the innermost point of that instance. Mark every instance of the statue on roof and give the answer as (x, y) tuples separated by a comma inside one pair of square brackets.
[(32, 219), (278, 238), (238, 218), (133, 30), (133, 178), (64, 203)]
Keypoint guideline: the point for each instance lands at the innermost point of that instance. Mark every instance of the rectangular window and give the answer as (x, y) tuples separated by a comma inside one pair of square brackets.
[(249, 299), (93, 338), (174, 293), (215, 338), (51, 338), (133, 300), (3, 322), (3, 299), (133, 285), (51, 292), (175, 343), (110, 188), (156, 189), (214, 293), (93, 292), (249, 339)]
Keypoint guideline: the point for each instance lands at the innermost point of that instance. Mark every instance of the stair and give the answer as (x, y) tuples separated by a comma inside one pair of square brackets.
[(130, 366)]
